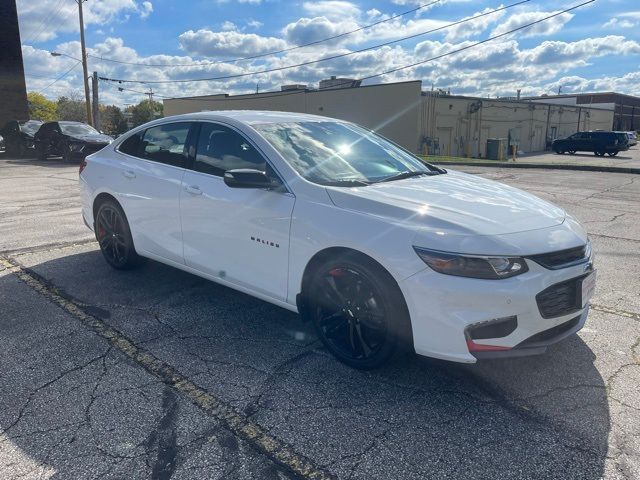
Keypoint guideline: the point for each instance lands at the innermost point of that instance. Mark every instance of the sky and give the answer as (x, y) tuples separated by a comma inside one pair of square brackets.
[(593, 48)]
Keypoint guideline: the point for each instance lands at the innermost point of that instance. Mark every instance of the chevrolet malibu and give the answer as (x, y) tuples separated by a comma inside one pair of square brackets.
[(375, 248)]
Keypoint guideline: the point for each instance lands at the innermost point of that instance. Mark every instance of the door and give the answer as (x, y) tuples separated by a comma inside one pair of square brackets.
[(149, 178), (484, 136), (444, 139), (237, 234)]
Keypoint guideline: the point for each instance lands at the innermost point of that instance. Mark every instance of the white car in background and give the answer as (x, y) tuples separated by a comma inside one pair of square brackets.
[(325, 218), (633, 138)]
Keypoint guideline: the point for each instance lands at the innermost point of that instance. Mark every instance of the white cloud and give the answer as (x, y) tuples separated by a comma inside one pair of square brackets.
[(228, 26), (547, 27), (254, 24), (616, 23), (44, 19), (145, 9), (308, 30), (555, 52), (332, 9), (474, 27), (231, 43)]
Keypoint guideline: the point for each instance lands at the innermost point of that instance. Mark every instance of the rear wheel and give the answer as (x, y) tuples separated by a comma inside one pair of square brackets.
[(599, 153), (612, 154), (114, 236), (67, 156), (40, 153), (356, 312), (572, 152)]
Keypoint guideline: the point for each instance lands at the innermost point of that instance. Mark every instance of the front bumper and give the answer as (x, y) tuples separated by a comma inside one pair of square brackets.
[(442, 307)]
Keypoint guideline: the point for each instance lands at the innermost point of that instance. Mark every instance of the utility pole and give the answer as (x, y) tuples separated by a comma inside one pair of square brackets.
[(85, 70), (150, 94), (95, 103)]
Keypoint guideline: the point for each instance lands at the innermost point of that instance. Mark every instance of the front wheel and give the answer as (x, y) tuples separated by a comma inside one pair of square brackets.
[(356, 312), (612, 154), (572, 152), (598, 153), (114, 236)]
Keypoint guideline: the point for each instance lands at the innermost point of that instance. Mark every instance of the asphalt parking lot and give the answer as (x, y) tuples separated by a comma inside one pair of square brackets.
[(155, 373)]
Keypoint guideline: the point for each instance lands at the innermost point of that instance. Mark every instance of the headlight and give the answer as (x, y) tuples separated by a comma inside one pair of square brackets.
[(474, 266)]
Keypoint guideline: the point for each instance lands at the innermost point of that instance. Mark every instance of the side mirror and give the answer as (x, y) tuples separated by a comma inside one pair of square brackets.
[(247, 178)]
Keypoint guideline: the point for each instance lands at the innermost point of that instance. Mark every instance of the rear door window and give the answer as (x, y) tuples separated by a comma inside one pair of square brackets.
[(166, 144)]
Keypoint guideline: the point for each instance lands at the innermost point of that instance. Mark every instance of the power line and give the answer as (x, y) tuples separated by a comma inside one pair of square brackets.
[(59, 78), (45, 23), (275, 52), (522, 27), (324, 59), (451, 52)]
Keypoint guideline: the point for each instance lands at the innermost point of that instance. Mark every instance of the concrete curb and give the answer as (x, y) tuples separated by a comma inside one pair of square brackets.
[(549, 166)]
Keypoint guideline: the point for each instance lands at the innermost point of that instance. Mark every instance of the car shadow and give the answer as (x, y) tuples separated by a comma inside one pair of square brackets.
[(52, 162), (591, 155), (539, 417)]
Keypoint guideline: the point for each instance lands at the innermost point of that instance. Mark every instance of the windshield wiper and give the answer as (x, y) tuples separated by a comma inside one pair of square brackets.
[(347, 183), (407, 174)]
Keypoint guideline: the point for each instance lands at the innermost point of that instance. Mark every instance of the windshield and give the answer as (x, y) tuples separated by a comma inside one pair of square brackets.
[(77, 129), (30, 127), (335, 153)]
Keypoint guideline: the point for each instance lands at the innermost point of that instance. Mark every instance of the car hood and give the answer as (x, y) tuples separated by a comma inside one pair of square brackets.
[(453, 204), (91, 138)]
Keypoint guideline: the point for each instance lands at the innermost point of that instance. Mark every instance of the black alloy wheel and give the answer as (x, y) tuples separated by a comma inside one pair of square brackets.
[(572, 152), (353, 310), (67, 155), (612, 154), (41, 154), (599, 153), (114, 236)]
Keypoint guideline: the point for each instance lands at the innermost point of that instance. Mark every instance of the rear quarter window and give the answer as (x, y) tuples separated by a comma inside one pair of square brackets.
[(131, 145)]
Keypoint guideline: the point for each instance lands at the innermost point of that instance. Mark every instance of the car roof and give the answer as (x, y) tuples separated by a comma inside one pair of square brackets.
[(253, 117)]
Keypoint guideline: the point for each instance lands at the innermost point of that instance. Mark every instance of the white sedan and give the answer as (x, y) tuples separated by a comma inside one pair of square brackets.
[(322, 217)]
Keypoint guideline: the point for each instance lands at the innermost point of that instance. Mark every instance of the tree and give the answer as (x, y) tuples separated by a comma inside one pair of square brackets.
[(113, 120), (145, 111), (71, 108), (41, 108)]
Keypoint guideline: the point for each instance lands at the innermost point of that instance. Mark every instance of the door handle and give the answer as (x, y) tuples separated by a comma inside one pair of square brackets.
[(193, 189), (129, 174)]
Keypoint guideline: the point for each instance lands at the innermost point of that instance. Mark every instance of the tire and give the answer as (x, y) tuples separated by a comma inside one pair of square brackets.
[(357, 310), (599, 153), (114, 236), (40, 154), (613, 154), (67, 156), (572, 152)]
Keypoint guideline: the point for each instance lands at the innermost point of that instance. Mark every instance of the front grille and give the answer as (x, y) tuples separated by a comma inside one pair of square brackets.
[(562, 258), (551, 333), (560, 299)]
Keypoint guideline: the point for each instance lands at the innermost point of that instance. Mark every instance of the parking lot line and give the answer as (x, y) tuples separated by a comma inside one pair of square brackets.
[(234, 421)]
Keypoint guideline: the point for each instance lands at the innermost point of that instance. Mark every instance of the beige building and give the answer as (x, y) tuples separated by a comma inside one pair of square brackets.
[(423, 122)]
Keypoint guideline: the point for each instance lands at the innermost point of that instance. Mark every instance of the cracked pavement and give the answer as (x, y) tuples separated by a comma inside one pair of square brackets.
[(72, 405)]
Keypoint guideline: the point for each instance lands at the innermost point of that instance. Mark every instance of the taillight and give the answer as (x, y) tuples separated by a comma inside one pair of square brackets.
[(83, 164)]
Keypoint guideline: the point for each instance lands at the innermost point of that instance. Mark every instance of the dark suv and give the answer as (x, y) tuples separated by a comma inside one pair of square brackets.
[(18, 136), (70, 140), (598, 142)]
